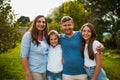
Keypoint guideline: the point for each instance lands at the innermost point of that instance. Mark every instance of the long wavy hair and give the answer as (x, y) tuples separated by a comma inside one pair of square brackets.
[(90, 43), (34, 31)]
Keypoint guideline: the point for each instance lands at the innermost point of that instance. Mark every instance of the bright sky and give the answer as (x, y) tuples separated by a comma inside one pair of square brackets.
[(32, 8)]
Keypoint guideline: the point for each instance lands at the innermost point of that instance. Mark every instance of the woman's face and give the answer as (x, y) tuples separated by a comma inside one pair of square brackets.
[(86, 33), (41, 24)]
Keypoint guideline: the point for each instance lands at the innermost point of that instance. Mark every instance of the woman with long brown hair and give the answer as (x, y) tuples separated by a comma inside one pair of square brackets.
[(92, 58), (34, 49)]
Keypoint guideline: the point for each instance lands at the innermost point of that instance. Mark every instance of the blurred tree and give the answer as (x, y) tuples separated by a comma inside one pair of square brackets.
[(23, 21), (71, 8), (106, 16), (9, 34)]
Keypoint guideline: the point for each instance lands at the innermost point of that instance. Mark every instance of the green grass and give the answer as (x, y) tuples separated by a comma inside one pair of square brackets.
[(11, 68), (111, 64), (112, 67), (10, 65)]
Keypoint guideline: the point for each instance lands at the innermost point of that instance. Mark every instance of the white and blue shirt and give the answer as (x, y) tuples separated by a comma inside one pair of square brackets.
[(37, 55)]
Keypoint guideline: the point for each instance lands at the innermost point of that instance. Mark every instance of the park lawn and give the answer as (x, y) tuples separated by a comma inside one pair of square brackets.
[(10, 65), (112, 67), (11, 68)]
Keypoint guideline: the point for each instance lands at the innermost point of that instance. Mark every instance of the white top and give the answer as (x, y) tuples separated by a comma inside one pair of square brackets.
[(88, 62), (55, 59)]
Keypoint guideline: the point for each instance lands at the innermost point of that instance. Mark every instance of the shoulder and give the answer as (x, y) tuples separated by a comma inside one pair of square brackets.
[(27, 35), (61, 35), (77, 32), (96, 42), (59, 45)]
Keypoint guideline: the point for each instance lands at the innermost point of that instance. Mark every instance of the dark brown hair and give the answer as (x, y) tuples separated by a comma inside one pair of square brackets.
[(66, 18), (93, 37), (34, 30), (53, 32)]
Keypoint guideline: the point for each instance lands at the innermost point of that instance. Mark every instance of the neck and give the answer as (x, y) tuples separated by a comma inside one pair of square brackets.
[(70, 35), (86, 41), (40, 36)]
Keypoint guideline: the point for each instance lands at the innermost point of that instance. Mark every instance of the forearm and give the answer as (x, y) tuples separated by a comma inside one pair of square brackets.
[(26, 66), (96, 72), (98, 66)]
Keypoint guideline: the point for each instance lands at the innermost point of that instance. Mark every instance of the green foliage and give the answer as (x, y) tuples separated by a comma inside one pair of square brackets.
[(77, 11), (9, 33), (55, 26), (71, 8), (10, 65), (23, 21), (107, 39), (106, 17), (118, 40)]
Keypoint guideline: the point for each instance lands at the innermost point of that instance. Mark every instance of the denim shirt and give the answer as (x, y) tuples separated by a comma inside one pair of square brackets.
[(37, 55)]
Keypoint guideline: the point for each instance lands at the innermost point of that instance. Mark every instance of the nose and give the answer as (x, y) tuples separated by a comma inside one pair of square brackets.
[(67, 27), (41, 23), (85, 32)]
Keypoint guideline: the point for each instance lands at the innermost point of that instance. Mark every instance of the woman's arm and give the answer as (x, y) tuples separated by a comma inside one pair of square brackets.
[(98, 66), (26, 68)]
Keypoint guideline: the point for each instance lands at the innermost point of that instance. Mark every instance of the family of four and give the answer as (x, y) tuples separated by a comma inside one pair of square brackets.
[(74, 55)]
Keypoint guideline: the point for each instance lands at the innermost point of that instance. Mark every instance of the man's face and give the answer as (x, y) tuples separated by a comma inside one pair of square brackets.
[(67, 27)]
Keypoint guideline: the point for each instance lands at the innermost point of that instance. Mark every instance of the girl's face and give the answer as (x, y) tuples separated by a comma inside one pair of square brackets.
[(53, 40), (86, 33), (41, 24)]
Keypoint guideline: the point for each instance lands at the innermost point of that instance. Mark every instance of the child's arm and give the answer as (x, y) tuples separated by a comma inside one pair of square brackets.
[(98, 66), (62, 60)]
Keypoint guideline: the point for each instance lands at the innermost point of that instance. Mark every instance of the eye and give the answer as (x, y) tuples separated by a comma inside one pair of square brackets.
[(43, 21), (39, 21), (88, 31), (83, 30)]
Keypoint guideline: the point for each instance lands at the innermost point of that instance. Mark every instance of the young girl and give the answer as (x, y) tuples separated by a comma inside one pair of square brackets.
[(92, 58), (54, 66)]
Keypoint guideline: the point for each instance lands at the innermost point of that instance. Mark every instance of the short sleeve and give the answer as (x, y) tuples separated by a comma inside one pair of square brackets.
[(95, 45), (25, 45)]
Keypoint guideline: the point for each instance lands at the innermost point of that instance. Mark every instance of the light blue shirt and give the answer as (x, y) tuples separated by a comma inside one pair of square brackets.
[(37, 55)]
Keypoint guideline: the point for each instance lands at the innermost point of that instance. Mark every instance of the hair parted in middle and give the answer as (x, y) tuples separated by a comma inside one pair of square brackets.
[(93, 37), (53, 32), (34, 30)]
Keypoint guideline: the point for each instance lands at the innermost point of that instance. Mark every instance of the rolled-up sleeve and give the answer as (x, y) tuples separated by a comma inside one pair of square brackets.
[(95, 45), (25, 45)]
